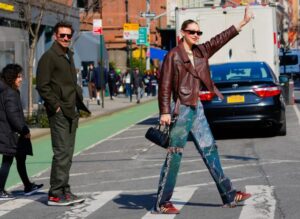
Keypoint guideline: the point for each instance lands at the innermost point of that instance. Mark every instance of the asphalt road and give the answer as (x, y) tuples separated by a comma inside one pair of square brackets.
[(118, 174)]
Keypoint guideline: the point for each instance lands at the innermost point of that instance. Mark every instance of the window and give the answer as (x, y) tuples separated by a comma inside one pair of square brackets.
[(96, 5), (239, 72), (7, 53), (288, 60), (81, 3)]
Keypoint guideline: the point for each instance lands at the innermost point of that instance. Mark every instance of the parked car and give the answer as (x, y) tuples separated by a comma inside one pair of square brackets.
[(252, 96)]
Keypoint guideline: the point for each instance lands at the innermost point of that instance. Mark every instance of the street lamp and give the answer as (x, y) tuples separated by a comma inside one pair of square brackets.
[(148, 34)]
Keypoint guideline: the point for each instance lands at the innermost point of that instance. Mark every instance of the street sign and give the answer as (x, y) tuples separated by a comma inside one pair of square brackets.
[(97, 27), (130, 31), (131, 26), (148, 15), (142, 40)]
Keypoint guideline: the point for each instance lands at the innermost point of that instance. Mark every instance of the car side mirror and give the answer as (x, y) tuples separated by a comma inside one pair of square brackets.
[(283, 79)]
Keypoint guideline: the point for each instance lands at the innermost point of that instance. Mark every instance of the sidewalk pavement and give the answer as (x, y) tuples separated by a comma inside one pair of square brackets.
[(110, 106)]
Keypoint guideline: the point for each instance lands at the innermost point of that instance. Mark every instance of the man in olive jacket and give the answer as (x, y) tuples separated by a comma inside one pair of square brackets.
[(56, 84)]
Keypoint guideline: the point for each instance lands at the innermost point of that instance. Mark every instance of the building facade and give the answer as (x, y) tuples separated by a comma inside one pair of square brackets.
[(15, 39), (114, 14)]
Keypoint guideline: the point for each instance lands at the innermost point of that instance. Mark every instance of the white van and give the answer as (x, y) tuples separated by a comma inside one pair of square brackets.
[(290, 63), (258, 41)]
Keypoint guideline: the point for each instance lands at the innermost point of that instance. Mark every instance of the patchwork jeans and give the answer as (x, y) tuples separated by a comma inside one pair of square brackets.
[(192, 121)]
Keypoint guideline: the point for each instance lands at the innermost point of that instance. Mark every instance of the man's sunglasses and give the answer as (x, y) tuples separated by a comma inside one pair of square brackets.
[(192, 32), (62, 35)]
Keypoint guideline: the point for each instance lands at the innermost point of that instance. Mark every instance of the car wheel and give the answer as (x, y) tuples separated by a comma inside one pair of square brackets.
[(281, 131)]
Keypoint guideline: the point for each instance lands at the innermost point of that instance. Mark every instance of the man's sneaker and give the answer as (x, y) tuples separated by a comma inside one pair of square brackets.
[(166, 208), (33, 188), (4, 195), (59, 201), (74, 198)]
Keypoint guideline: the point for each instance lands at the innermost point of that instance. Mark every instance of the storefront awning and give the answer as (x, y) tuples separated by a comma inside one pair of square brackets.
[(156, 53)]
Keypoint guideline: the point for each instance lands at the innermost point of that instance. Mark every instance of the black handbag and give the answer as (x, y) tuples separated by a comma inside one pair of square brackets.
[(159, 136)]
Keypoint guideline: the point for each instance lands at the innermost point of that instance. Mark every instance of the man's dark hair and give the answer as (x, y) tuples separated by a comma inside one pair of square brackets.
[(63, 24), (10, 73)]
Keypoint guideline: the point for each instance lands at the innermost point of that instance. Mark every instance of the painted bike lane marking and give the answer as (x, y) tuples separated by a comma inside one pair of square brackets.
[(89, 134)]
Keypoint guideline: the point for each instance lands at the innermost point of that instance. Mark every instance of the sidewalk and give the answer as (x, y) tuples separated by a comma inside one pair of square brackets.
[(110, 106)]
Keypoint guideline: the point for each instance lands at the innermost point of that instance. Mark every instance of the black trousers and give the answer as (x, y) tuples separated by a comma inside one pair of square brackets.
[(63, 132), (21, 167), (112, 88)]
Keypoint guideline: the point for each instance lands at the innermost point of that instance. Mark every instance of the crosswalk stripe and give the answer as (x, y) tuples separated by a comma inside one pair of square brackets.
[(180, 197), (11, 205), (261, 205), (91, 204)]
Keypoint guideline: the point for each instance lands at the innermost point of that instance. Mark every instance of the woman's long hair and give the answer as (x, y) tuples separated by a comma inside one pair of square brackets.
[(10, 73)]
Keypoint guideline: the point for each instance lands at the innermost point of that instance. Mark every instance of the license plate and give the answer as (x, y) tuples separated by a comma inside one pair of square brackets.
[(236, 99)]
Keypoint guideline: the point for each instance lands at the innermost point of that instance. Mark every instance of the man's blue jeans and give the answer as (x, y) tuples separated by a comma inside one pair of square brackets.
[(192, 121)]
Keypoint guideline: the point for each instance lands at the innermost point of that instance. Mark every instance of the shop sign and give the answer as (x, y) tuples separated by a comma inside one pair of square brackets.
[(7, 7)]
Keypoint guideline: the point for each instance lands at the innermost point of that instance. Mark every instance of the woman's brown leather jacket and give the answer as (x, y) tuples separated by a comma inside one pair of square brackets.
[(179, 78)]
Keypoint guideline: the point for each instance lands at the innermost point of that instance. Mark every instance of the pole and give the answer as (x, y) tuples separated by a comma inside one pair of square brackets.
[(148, 34), (130, 69), (127, 42), (102, 71), (101, 60), (141, 63)]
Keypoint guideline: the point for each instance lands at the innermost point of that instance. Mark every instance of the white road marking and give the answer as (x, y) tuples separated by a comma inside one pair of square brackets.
[(153, 190), (181, 173), (297, 112), (232, 180), (90, 205), (134, 129), (195, 171), (111, 136), (180, 197), (11, 205), (125, 138), (113, 152), (261, 205)]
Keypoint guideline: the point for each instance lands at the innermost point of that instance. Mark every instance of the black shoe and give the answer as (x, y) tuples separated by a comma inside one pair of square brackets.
[(138, 102), (4, 195), (33, 188)]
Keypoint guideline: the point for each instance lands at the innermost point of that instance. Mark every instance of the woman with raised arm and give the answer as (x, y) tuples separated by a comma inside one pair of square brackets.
[(184, 72)]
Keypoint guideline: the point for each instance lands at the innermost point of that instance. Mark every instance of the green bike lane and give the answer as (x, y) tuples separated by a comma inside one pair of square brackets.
[(88, 133)]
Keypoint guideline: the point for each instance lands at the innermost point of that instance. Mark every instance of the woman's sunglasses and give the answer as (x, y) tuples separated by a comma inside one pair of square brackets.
[(192, 32), (62, 35)]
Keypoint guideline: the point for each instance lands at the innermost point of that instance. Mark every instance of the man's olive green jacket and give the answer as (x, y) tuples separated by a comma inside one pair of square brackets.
[(57, 82)]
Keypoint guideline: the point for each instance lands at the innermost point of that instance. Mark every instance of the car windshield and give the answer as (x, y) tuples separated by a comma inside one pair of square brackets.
[(230, 72)]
